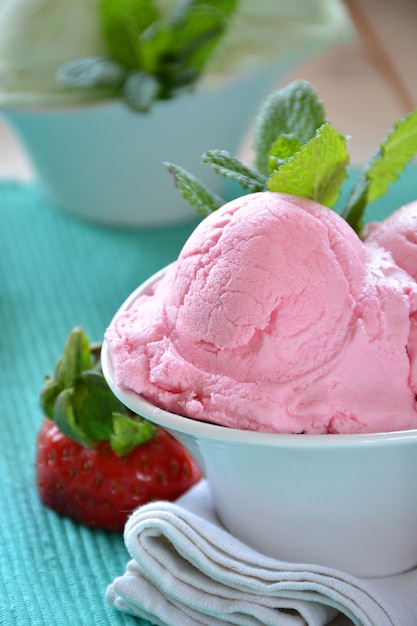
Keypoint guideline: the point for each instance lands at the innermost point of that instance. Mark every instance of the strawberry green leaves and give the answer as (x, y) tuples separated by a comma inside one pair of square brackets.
[(81, 403), (84, 409), (129, 433), (383, 168), (151, 53)]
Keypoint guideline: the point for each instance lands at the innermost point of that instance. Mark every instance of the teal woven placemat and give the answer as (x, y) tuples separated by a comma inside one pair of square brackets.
[(57, 272)]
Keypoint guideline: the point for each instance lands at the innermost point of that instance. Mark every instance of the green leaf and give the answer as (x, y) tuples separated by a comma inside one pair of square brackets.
[(50, 390), (382, 169), (193, 191), (196, 33), (58, 376), (144, 38), (282, 149), (293, 110), (76, 357), (181, 9), (140, 90), (129, 432), (176, 80), (85, 411), (91, 72), (154, 42), (227, 165), (317, 170), (195, 23), (64, 418), (123, 21), (82, 404)]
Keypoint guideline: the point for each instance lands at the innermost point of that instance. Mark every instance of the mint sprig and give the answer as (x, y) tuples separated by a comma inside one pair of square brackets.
[(197, 26), (79, 400), (97, 72), (294, 110), (227, 165), (122, 23), (316, 170), (298, 152), (151, 54), (382, 169), (139, 91), (193, 191)]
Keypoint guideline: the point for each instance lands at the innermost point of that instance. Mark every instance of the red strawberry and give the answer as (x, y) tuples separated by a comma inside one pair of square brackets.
[(95, 461), (96, 487)]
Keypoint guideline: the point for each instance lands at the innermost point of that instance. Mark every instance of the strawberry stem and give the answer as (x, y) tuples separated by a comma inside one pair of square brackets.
[(80, 402)]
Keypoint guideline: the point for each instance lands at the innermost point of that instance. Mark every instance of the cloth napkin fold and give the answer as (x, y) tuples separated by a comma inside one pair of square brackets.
[(186, 569)]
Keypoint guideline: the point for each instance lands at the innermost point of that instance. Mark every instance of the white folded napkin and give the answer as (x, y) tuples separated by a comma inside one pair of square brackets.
[(187, 570)]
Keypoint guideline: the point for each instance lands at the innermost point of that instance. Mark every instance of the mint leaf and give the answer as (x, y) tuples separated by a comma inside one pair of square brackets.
[(182, 8), (227, 165), (140, 90), (154, 42), (282, 149), (145, 39), (293, 110), (382, 169), (194, 191), (317, 170), (123, 21), (129, 432), (197, 27), (91, 72)]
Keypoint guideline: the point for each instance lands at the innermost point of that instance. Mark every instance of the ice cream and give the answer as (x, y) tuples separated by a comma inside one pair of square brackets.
[(37, 36), (398, 235), (275, 317)]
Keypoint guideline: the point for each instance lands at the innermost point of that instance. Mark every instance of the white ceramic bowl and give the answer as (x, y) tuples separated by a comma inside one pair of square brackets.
[(104, 163), (343, 501)]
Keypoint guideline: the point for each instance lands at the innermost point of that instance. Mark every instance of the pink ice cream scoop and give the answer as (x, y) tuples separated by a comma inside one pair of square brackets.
[(275, 317), (398, 235)]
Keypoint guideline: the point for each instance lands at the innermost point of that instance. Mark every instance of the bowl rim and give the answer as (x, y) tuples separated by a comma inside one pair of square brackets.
[(207, 430)]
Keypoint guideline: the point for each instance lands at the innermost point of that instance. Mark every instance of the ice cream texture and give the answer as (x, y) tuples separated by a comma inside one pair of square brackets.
[(276, 317), (398, 235)]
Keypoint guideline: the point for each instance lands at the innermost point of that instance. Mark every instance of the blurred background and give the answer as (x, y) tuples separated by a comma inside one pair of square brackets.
[(366, 83)]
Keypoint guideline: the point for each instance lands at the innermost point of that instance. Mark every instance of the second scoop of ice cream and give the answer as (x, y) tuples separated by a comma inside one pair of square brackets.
[(398, 235), (275, 317)]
